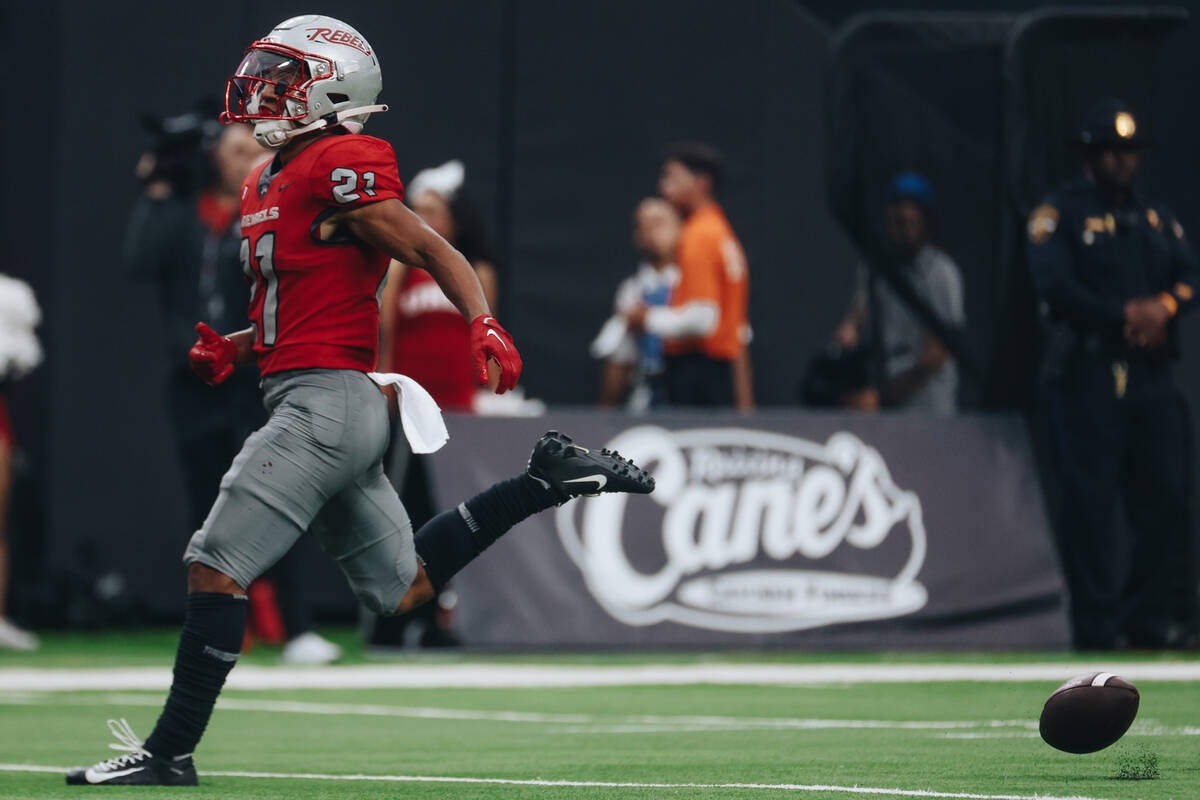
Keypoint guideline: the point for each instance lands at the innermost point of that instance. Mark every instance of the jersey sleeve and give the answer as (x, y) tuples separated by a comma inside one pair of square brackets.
[(701, 264), (355, 170)]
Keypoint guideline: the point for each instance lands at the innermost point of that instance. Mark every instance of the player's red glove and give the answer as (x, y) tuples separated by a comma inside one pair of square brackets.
[(489, 340), (213, 356)]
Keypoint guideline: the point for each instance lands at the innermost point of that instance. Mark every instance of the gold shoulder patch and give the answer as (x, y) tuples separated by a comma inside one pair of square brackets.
[(1153, 218), (1043, 222), (1176, 228)]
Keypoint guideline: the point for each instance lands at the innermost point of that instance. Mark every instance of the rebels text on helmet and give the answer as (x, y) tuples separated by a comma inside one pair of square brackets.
[(338, 37)]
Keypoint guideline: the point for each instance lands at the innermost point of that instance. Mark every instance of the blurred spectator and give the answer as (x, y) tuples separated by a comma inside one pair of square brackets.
[(19, 353), (1113, 270), (185, 236), (705, 328), (919, 373), (426, 338), (633, 363)]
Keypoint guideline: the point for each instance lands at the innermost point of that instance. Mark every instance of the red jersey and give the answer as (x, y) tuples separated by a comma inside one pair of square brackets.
[(431, 341), (6, 437), (315, 303)]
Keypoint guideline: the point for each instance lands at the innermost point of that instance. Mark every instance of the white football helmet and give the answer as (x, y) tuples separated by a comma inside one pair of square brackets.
[(309, 72)]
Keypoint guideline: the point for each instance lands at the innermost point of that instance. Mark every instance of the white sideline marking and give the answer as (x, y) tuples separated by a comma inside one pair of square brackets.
[(542, 676), (578, 724), (791, 787), (581, 723)]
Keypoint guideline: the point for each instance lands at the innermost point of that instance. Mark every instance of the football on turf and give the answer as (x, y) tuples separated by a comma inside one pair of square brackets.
[(1089, 713)]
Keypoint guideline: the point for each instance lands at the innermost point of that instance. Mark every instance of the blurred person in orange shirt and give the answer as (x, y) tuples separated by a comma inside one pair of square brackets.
[(705, 327)]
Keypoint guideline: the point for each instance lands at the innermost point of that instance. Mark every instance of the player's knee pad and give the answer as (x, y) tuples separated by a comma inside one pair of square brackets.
[(381, 592), (212, 551)]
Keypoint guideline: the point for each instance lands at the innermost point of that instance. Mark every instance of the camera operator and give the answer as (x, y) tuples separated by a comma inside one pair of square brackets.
[(185, 237)]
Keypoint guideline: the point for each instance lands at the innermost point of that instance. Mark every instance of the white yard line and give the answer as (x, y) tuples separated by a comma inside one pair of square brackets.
[(542, 676), (598, 724), (578, 723), (865, 791)]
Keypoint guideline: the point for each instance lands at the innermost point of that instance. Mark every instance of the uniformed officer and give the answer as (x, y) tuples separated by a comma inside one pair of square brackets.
[(1114, 271)]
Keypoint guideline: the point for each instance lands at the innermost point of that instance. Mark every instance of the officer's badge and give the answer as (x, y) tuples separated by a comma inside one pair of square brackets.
[(1110, 223), (1154, 219), (1125, 125), (1092, 226), (1184, 292), (1043, 222), (1177, 229)]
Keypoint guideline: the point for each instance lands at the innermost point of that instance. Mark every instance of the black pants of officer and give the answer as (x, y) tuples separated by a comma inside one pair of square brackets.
[(694, 379), (1129, 443)]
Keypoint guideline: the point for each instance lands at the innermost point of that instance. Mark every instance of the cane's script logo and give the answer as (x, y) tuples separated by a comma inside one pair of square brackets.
[(753, 528)]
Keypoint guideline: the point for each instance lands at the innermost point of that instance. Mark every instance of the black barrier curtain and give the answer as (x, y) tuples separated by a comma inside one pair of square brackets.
[(920, 93), (1058, 65), (985, 106)]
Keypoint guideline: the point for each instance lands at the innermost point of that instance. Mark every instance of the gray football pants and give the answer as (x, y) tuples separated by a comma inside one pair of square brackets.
[(316, 465)]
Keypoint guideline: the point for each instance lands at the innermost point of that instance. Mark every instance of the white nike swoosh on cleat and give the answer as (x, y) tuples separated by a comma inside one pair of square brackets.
[(600, 480), (92, 776)]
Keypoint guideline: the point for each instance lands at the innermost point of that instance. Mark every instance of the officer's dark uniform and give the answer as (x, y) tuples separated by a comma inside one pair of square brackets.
[(1119, 426)]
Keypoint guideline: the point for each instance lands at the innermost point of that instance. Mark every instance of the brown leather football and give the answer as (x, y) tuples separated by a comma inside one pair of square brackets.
[(1089, 713)]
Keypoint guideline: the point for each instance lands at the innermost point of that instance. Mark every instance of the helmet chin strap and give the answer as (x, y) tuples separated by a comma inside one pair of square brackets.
[(276, 137)]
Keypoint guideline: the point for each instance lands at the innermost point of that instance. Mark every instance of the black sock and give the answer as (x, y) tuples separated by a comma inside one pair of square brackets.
[(453, 539), (209, 646)]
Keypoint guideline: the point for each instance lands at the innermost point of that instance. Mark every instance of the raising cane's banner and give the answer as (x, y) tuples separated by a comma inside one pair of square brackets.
[(774, 529)]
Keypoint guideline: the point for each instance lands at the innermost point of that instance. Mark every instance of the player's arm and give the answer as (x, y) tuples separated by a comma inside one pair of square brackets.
[(243, 340), (392, 228), (486, 272)]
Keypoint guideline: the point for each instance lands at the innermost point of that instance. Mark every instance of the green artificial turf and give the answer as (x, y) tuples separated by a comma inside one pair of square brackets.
[(676, 735)]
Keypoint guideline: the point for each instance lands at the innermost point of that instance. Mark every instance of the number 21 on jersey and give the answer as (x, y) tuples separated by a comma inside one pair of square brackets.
[(258, 263)]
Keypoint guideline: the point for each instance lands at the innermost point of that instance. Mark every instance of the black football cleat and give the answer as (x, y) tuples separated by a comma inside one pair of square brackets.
[(137, 767), (568, 470)]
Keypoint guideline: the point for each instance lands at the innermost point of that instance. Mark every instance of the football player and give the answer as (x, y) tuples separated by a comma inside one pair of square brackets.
[(320, 223)]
